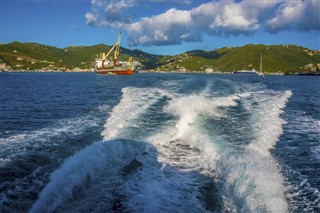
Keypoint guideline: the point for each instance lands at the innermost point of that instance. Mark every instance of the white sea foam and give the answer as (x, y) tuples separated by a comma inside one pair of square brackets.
[(267, 121), (73, 125), (21, 142), (253, 179), (178, 146), (94, 180), (162, 189), (185, 153), (134, 101), (316, 152), (99, 160), (172, 85), (187, 109), (306, 124)]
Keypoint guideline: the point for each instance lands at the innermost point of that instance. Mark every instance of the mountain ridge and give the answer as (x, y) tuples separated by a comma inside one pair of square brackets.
[(276, 58)]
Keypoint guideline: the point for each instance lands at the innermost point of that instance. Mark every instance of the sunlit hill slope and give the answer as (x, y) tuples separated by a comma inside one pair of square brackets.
[(275, 58)]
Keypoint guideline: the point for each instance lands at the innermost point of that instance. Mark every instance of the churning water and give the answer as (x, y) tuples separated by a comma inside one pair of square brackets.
[(74, 142)]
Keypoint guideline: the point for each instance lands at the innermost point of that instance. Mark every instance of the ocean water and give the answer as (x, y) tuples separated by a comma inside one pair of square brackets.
[(81, 142)]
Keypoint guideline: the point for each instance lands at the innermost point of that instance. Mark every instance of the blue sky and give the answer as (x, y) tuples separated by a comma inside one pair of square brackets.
[(162, 26)]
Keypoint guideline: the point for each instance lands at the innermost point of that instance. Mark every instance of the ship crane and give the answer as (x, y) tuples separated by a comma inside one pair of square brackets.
[(117, 51), (103, 66)]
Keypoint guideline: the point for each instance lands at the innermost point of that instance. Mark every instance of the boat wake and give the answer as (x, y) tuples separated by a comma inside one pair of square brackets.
[(166, 151)]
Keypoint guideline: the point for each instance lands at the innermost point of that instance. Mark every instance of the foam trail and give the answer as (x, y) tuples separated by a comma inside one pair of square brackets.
[(268, 124), (187, 134), (101, 159), (134, 102), (196, 105), (253, 180), (187, 126), (187, 157)]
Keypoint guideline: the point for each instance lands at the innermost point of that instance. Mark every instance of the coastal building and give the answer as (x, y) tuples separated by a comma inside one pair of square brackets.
[(208, 70), (2, 66), (311, 67)]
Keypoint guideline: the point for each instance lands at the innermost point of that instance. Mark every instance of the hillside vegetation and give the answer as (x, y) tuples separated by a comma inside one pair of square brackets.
[(276, 58), (35, 56)]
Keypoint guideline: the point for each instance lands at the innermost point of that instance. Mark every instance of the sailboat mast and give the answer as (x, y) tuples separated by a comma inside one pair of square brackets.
[(261, 63)]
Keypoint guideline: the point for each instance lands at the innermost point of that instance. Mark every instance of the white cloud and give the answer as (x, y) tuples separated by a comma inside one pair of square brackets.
[(234, 19), (299, 14), (99, 3), (171, 27), (91, 18), (111, 13), (231, 18), (222, 18), (288, 14)]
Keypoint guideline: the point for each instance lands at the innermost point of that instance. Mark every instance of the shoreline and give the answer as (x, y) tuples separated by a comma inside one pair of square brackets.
[(145, 71)]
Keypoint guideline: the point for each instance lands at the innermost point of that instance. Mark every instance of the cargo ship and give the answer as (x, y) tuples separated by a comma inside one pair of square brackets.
[(104, 66)]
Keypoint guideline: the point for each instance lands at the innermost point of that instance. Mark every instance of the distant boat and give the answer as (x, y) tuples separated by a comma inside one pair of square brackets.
[(116, 67), (251, 72), (246, 72)]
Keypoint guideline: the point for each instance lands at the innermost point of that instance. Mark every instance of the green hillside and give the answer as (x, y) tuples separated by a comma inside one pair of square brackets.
[(35, 56), (276, 58)]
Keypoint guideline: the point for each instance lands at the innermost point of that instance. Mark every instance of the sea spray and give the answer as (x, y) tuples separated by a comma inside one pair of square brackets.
[(134, 101), (253, 179), (229, 160), (101, 159), (267, 121)]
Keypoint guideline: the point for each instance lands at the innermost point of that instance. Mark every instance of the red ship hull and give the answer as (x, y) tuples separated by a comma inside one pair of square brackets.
[(115, 72), (105, 67)]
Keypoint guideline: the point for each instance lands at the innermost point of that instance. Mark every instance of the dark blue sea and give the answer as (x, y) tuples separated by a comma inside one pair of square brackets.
[(81, 142)]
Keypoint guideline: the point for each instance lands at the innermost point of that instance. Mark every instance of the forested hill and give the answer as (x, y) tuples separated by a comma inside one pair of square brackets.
[(275, 58), (38, 56)]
